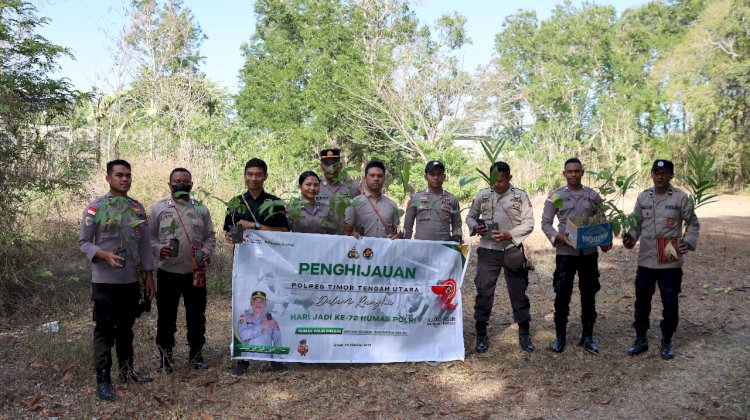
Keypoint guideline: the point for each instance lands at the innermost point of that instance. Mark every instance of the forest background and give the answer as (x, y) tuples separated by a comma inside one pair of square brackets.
[(615, 89)]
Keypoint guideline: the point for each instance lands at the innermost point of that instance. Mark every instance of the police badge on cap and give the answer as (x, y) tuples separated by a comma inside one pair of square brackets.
[(330, 154), (433, 164), (665, 165), (258, 295)]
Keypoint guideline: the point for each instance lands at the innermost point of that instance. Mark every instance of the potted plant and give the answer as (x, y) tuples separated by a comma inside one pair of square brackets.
[(109, 216), (607, 219)]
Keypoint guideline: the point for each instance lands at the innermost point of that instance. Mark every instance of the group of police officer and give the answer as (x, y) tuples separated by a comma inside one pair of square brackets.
[(178, 232)]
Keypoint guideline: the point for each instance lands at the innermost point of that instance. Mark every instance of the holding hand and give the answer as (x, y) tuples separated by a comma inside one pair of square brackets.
[(501, 235), (563, 239), (114, 260), (165, 252)]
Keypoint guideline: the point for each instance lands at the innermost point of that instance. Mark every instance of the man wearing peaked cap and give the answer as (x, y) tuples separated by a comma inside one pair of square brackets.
[(435, 210), (663, 211), (336, 190)]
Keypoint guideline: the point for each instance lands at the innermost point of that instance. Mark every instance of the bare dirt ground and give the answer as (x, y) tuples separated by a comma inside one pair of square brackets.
[(48, 375)]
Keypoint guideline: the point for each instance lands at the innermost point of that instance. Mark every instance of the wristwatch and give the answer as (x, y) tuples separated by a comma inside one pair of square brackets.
[(257, 226)]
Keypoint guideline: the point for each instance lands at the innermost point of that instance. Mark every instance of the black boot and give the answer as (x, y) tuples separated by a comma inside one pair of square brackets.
[(666, 349), (280, 367), (196, 359), (104, 389), (524, 337), (587, 340), (128, 374), (639, 346), (165, 361), (482, 343), (558, 346)]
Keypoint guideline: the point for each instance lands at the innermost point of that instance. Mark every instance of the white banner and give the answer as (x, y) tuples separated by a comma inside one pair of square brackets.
[(302, 297)]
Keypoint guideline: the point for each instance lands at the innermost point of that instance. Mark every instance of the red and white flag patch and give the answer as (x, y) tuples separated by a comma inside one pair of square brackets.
[(91, 211)]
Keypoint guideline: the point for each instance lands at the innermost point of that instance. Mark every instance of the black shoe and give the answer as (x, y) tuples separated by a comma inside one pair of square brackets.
[(482, 344), (166, 361), (589, 345), (280, 367), (199, 362), (104, 388), (240, 368), (639, 346), (667, 351), (558, 346), (127, 374), (524, 339)]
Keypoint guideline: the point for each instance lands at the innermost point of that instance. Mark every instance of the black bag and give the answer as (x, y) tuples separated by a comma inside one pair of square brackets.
[(515, 259)]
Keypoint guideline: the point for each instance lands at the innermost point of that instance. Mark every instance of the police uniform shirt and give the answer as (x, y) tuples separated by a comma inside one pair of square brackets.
[(579, 203), (511, 211), (250, 330), (313, 218), (334, 193), (273, 218), (136, 240), (663, 216), (437, 215), (362, 214), (194, 218)]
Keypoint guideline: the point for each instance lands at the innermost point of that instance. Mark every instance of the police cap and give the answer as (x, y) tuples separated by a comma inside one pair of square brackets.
[(434, 164), (333, 154), (666, 165)]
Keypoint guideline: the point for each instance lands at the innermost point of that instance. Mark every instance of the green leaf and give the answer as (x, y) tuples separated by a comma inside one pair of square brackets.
[(134, 223), (463, 181), (557, 201)]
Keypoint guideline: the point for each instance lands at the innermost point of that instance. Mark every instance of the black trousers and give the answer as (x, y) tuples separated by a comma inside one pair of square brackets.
[(115, 310), (563, 280), (169, 288), (670, 283), (488, 269)]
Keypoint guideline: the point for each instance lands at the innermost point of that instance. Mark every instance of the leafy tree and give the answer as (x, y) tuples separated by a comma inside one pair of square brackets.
[(35, 154), (706, 76), (300, 67), (168, 95)]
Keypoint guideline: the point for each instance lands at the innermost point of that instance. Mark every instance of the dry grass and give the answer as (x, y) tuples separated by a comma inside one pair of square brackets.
[(47, 375)]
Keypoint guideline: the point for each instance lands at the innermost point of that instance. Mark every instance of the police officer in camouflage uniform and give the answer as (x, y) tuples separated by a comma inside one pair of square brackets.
[(664, 210), (336, 192), (181, 217), (115, 238), (573, 200), (372, 213), (256, 326), (503, 217), (435, 210)]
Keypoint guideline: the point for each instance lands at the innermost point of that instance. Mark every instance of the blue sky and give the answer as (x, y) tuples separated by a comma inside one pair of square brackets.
[(88, 28)]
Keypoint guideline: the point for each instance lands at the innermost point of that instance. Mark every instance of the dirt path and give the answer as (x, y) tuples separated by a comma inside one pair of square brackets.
[(709, 377)]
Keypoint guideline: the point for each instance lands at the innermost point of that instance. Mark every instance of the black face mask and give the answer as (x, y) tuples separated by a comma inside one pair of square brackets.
[(181, 188)]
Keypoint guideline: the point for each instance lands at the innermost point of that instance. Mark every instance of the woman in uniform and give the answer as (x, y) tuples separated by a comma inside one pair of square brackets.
[(312, 216)]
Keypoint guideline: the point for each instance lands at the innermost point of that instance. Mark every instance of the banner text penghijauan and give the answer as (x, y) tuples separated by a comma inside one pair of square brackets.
[(388, 271)]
